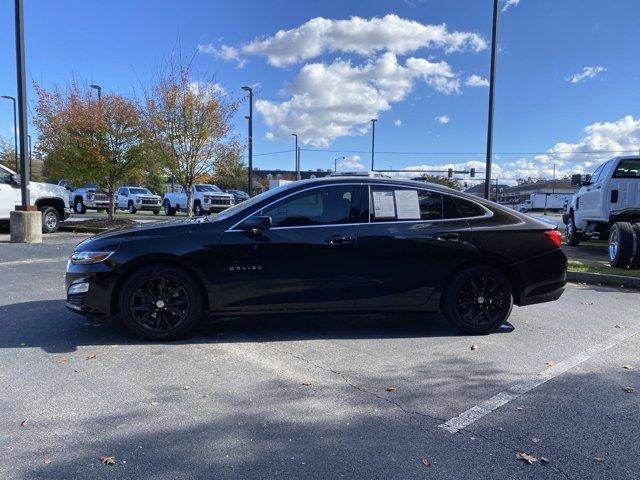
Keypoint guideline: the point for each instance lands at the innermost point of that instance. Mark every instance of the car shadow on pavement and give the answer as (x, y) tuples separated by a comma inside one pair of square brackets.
[(50, 326)]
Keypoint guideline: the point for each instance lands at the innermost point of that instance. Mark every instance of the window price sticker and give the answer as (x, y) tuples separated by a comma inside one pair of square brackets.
[(407, 204), (383, 205)]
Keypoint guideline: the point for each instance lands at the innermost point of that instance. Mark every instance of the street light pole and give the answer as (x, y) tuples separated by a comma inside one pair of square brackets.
[(298, 176), (250, 141), (492, 85), (335, 163), (373, 140), (15, 128), (30, 162), (295, 153), (22, 106), (98, 88)]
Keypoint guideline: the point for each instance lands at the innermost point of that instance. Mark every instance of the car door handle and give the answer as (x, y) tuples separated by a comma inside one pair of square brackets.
[(447, 236), (338, 240)]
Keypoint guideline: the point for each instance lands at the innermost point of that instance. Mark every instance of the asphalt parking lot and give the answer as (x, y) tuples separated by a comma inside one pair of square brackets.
[(361, 396)]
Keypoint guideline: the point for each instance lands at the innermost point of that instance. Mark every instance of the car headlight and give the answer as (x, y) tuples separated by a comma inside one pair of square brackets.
[(90, 196), (87, 258)]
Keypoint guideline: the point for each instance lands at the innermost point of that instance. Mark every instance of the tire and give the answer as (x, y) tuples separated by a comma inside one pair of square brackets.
[(620, 245), (168, 210), (156, 212), (478, 300), (523, 210), (79, 207), (149, 310), (635, 257), (571, 234), (50, 219), (197, 209), (131, 208)]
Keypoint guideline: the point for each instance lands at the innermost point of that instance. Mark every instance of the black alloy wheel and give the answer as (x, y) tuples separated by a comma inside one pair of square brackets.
[(478, 300), (160, 303)]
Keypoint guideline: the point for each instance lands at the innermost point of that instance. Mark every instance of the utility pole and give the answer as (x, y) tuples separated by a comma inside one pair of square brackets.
[(373, 140), (295, 154), (335, 163), (250, 141), (492, 85), (25, 174), (15, 128), (298, 165)]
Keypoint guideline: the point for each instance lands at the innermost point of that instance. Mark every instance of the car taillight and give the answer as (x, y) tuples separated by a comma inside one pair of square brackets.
[(554, 237)]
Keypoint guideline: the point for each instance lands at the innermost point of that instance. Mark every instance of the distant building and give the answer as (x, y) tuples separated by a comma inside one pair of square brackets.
[(478, 190), (523, 191)]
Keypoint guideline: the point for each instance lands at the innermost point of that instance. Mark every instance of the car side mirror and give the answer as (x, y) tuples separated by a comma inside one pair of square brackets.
[(586, 181), (15, 179), (256, 223)]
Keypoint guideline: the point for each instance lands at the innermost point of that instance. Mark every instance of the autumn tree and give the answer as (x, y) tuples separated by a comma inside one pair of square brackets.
[(446, 181), (229, 170), (84, 139), (7, 154), (188, 124)]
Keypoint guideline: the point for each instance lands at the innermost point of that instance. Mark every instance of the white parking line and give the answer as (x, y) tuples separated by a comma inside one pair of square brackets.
[(476, 412), (34, 260)]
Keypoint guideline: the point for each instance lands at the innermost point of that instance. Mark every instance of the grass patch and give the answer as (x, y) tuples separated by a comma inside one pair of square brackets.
[(574, 266)]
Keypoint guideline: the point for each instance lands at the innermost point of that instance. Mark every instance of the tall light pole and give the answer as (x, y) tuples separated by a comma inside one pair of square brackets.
[(373, 140), (22, 106), (335, 163), (98, 88), (492, 85), (250, 141), (30, 162), (15, 127), (298, 176), (295, 167)]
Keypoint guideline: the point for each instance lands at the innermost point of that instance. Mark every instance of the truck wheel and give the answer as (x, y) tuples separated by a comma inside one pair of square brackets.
[(523, 210), (620, 244), (50, 219), (131, 208), (79, 207), (156, 212), (478, 300), (571, 234), (635, 257), (197, 209), (168, 210)]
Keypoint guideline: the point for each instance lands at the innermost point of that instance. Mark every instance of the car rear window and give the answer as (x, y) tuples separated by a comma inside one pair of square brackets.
[(628, 169)]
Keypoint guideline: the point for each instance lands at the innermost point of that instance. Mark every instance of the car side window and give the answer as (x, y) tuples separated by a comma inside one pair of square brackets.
[(596, 174), (389, 203), (319, 206), (469, 209)]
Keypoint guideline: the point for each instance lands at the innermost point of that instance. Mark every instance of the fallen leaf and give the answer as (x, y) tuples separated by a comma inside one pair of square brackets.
[(598, 459), (587, 303), (629, 389), (525, 457), (550, 364), (154, 403), (187, 387), (92, 357), (390, 389), (426, 462), (108, 460), (544, 460), (525, 322), (619, 326), (535, 440), (46, 461), (627, 367), (62, 360), (474, 347), (520, 409), (306, 384), (205, 395), (24, 422)]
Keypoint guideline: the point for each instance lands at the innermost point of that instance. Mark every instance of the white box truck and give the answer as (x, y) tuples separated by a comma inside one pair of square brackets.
[(543, 201)]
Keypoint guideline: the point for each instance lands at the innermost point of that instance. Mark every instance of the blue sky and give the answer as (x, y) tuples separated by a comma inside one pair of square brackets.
[(325, 78)]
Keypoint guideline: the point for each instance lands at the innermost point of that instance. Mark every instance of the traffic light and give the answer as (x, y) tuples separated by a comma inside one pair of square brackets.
[(450, 173), (472, 172)]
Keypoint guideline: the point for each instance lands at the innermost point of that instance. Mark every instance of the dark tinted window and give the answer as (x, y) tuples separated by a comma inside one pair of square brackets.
[(320, 206), (628, 169), (468, 208)]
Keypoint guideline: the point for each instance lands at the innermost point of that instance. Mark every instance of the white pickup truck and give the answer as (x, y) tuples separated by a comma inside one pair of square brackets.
[(87, 197), (206, 199), (608, 205), (50, 199), (133, 199)]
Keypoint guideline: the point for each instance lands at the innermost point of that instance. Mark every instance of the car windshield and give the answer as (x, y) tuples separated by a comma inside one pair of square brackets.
[(139, 191), (628, 169), (208, 188), (252, 201)]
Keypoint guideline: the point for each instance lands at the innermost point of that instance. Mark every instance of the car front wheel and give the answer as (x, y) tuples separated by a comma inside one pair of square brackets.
[(50, 219), (571, 233), (132, 209), (79, 207), (160, 303), (478, 300)]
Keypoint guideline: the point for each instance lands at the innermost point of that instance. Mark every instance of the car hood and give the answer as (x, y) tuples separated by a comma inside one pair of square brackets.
[(40, 190)]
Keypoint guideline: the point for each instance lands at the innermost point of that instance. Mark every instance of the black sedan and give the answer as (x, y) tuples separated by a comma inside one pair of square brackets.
[(339, 244)]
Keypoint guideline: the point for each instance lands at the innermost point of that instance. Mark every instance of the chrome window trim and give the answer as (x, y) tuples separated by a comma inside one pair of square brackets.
[(488, 213)]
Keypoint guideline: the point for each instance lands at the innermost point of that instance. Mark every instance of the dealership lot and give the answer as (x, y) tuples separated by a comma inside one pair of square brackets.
[(361, 396)]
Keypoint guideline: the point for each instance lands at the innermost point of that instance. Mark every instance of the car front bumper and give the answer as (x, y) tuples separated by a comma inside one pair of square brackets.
[(96, 300)]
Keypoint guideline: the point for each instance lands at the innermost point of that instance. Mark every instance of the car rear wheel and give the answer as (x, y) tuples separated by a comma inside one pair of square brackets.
[(571, 234), (160, 303), (635, 257), (197, 209), (478, 300), (620, 245), (50, 219), (168, 210)]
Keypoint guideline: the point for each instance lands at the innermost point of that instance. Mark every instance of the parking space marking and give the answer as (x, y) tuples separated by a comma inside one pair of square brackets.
[(476, 412), (34, 260)]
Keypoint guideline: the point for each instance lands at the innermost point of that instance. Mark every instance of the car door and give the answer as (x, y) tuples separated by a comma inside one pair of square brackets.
[(304, 261), (590, 197), (413, 238), (9, 194)]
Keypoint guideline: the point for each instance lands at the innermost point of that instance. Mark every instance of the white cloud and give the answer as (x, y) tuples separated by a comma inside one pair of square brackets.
[(360, 36), (269, 136), (352, 163), (333, 100), (207, 89), (585, 74), (476, 81), (397, 123), (224, 52), (442, 119), (510, 3)]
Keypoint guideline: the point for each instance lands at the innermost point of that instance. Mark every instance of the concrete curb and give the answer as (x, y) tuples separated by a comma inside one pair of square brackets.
[(604, 279)]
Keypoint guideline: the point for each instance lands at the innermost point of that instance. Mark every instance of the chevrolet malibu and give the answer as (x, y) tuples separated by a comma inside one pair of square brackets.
[(340, 244)]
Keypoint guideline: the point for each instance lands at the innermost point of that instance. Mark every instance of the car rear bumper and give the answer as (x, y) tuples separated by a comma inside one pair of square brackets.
[(542, 278)]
